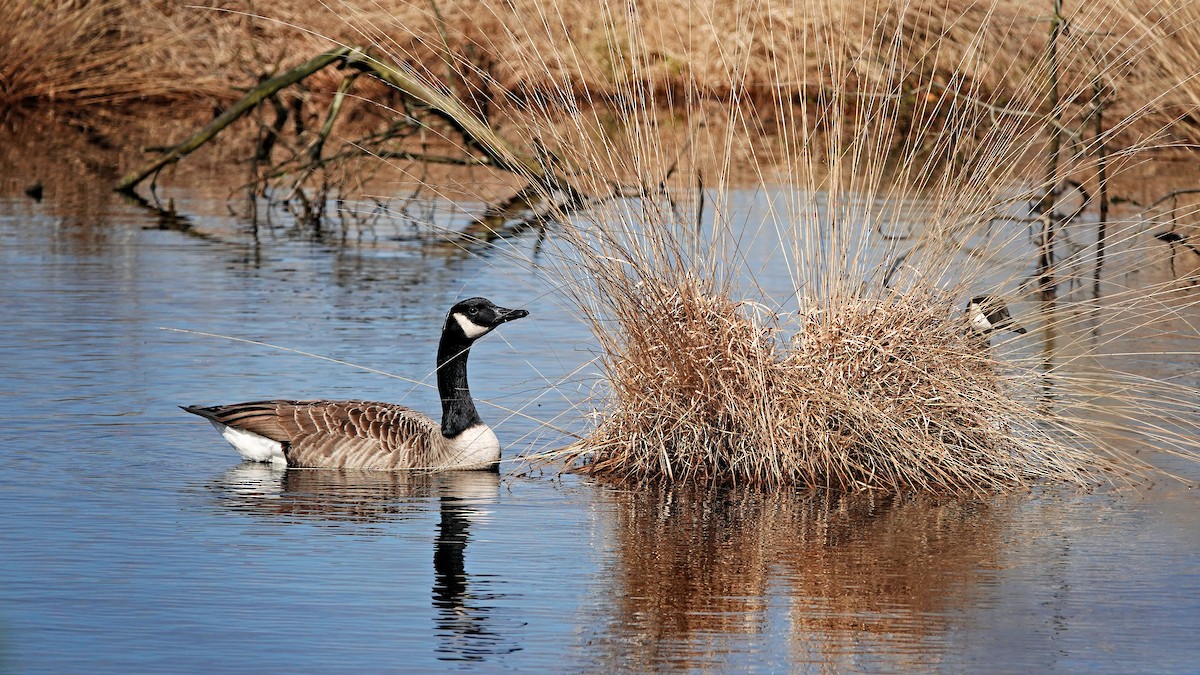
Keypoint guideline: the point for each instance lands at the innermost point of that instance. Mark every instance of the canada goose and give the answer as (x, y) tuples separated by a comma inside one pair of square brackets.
[(1175, 238), (987, 314), (366, 435)]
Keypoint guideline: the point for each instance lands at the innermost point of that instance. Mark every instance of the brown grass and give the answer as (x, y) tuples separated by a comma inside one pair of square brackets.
[(73, 52), (510, 52), (513, 51)]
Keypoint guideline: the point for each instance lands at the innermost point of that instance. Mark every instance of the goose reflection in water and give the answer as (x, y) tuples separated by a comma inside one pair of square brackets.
[(462, 616), (461, 620)]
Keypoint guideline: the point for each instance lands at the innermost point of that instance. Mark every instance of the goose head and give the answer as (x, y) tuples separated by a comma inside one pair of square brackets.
[(987, 314), (476, 317)]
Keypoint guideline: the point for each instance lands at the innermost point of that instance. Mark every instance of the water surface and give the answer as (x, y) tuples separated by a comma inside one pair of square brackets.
[(132, 538)]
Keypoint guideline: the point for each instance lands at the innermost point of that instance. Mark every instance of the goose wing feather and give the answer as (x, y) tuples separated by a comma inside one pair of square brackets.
[(337, 434)]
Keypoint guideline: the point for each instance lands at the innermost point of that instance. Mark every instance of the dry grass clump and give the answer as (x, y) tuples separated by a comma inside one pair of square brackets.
[(892, 394), (690, 378)]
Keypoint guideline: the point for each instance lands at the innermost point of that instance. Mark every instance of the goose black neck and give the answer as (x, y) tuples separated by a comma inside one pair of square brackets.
[(458, 409)]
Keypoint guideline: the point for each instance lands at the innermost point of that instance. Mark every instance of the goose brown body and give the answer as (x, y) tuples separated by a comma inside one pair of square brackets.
[(341, 434), (373, 435)]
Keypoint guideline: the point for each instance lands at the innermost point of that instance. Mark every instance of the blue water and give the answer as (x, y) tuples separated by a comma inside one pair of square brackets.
[(133, 540)]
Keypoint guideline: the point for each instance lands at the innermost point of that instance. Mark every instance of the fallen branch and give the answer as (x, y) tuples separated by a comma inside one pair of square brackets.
[(248, 102), (543, 180)]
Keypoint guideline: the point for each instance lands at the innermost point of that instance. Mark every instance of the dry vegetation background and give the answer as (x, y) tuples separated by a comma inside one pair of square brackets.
[(85, 53)]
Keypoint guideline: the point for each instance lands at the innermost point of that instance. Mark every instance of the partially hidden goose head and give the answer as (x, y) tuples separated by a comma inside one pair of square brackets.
[(987, 314), (368, 435)]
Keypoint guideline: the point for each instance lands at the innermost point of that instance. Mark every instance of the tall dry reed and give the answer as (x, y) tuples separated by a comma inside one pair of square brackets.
[(920, 155)]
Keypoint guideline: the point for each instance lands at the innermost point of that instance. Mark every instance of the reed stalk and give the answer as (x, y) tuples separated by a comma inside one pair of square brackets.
[(863, 374)]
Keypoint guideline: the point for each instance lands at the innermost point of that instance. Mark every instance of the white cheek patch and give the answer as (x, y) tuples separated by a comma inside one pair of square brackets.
[(469, 327), (979, 320)]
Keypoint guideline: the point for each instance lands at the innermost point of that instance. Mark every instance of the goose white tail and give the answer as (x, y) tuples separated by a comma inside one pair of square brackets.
[(251, 446)]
